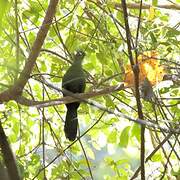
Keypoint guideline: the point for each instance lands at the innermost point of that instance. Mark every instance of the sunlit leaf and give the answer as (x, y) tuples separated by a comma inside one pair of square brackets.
[(124, 138)]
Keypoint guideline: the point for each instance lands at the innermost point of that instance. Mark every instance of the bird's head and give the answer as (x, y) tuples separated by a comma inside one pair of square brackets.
[(79, 55)]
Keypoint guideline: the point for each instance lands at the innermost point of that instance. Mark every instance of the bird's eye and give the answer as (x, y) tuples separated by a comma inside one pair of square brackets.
[(80, 53)]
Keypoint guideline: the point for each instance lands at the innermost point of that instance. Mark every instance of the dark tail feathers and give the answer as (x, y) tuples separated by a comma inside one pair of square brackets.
[(71, 124)]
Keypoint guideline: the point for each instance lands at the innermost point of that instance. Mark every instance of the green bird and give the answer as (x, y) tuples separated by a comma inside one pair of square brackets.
[(73, 81)]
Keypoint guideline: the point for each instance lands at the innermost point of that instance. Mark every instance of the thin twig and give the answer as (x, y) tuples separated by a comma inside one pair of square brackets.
[(87, 161), (151, 154), (17, 38)]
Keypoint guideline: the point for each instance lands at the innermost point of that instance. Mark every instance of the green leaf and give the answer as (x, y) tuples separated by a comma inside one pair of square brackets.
[(102, 57), (90, 153), (122, 161), (136, 131), (109, 160), (124, 138), (112, 136), (109, 102), (172, 32), (176, 173), (157, 157), (3, 9), (153, 38), (154, 2)]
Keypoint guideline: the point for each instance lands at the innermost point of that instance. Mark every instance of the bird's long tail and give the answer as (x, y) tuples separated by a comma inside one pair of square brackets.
[(71, 123)]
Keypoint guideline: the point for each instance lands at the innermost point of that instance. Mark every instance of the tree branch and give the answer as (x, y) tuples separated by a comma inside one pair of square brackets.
[(8, 156), (135, 69), (151, 154), (68, 99), (146, 6), (18, 86), (81, 97)]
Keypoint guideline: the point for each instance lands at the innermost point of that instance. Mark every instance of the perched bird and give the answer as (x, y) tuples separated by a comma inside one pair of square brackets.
[(73, 81), (146, 90)]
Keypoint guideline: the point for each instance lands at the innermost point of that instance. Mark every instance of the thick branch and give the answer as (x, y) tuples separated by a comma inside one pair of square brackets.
[(81, 97), (68, 99), (8, 156), (135, 69), (17, 88)]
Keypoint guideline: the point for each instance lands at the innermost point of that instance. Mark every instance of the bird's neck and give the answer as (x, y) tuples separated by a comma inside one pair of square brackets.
[(77, 62)]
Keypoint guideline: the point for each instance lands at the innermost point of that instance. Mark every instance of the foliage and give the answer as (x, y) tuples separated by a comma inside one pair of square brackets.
[(110, 147)]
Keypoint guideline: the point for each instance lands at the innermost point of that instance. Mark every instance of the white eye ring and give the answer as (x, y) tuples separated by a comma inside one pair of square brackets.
[(80, 53)]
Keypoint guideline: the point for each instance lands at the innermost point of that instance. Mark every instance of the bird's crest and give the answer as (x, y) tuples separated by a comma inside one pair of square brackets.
[(79, 55)]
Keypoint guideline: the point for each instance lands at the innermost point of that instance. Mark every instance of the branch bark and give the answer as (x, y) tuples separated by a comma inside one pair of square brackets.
[(68, 99), (146, 6), (17, 88), (135, 69), (8, 156), (151, 154), (136, 5)]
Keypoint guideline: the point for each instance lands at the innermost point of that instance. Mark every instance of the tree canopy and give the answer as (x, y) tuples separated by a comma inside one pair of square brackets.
[(129, 114)]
